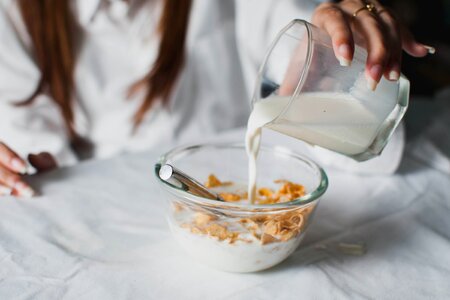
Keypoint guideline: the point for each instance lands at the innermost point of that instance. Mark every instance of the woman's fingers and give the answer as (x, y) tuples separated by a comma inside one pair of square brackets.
[(10, 160), (43, 161), (376, 39), (383, 36), (11, 165), (331, 18), (13, 182), (5, 190), (383, 49), (8, 178), (411, 46), (22, 189), (393, 66)]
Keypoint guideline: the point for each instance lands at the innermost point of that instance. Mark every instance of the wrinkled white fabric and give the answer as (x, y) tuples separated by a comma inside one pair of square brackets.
[(98, 232)]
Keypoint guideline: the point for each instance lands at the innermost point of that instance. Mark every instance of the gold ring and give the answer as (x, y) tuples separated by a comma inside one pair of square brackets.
[(369, 7)]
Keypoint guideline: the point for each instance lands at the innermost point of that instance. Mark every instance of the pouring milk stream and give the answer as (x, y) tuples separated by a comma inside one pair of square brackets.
[(336, 111)]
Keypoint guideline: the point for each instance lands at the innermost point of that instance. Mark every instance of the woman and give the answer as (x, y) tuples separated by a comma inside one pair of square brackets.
[(93, 78)]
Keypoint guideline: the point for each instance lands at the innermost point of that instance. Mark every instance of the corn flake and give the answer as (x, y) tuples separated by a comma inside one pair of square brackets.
[(213, 181), (267, 239), (230, 197), (266, 192), (266, 228), (201, 219)]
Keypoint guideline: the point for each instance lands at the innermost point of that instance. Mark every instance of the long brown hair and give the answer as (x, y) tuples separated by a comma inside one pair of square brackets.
[(52, 29)]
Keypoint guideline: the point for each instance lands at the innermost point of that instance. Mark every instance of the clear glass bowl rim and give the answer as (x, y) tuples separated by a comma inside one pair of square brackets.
[(299, 202)]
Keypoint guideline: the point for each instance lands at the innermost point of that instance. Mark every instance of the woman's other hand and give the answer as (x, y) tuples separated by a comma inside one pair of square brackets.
[(12, 167), (374, 27)]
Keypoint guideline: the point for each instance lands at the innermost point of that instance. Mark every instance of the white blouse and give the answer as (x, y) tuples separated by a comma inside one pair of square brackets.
[(226, 41), (225, 45)]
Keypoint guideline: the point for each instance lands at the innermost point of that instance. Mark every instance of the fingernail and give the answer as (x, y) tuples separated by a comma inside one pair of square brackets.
[(394, 75), (29, 169), (344, 51), (344, 62), (18, 165), (5, 191), (374, 72), (371, 83), (431, 50), (24, 190), (27, 193)]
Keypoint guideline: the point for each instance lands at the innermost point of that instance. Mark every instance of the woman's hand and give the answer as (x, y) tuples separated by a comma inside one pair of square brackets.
[(12, 167), (379, 31)]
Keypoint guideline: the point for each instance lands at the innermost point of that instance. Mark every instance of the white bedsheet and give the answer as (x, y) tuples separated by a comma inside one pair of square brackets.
[(98, 232)]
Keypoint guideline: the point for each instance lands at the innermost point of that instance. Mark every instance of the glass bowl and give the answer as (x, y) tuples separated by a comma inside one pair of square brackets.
[(233, 236)]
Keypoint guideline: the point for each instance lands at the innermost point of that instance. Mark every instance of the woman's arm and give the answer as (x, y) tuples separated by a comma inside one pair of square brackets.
[(379, 31), (33, 132)]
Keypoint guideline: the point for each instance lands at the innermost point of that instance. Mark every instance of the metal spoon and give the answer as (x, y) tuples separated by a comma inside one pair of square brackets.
[(176, 177)]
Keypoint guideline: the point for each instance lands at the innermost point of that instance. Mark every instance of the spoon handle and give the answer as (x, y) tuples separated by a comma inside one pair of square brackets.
[(172, 175)]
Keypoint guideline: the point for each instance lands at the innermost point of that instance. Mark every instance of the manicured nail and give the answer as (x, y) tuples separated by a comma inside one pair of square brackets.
[(27, 192), (371, 83), (374, 72), (30, 169), (431, 50), (24, 190), (18, 165), (394, 75), (5, 191), (344, 62), (344, 50)]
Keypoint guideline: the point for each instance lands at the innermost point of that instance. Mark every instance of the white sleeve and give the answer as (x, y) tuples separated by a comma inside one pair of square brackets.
[(39, 126), (258, 22)]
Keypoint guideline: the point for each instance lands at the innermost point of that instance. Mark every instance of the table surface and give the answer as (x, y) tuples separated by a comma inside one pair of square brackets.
[(98, 232)]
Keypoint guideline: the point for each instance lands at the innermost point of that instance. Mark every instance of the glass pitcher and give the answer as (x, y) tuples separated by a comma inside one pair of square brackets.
[(308, 95)]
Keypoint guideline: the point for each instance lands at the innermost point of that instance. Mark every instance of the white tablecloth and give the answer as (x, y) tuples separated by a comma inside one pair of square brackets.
[(98, 232)]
